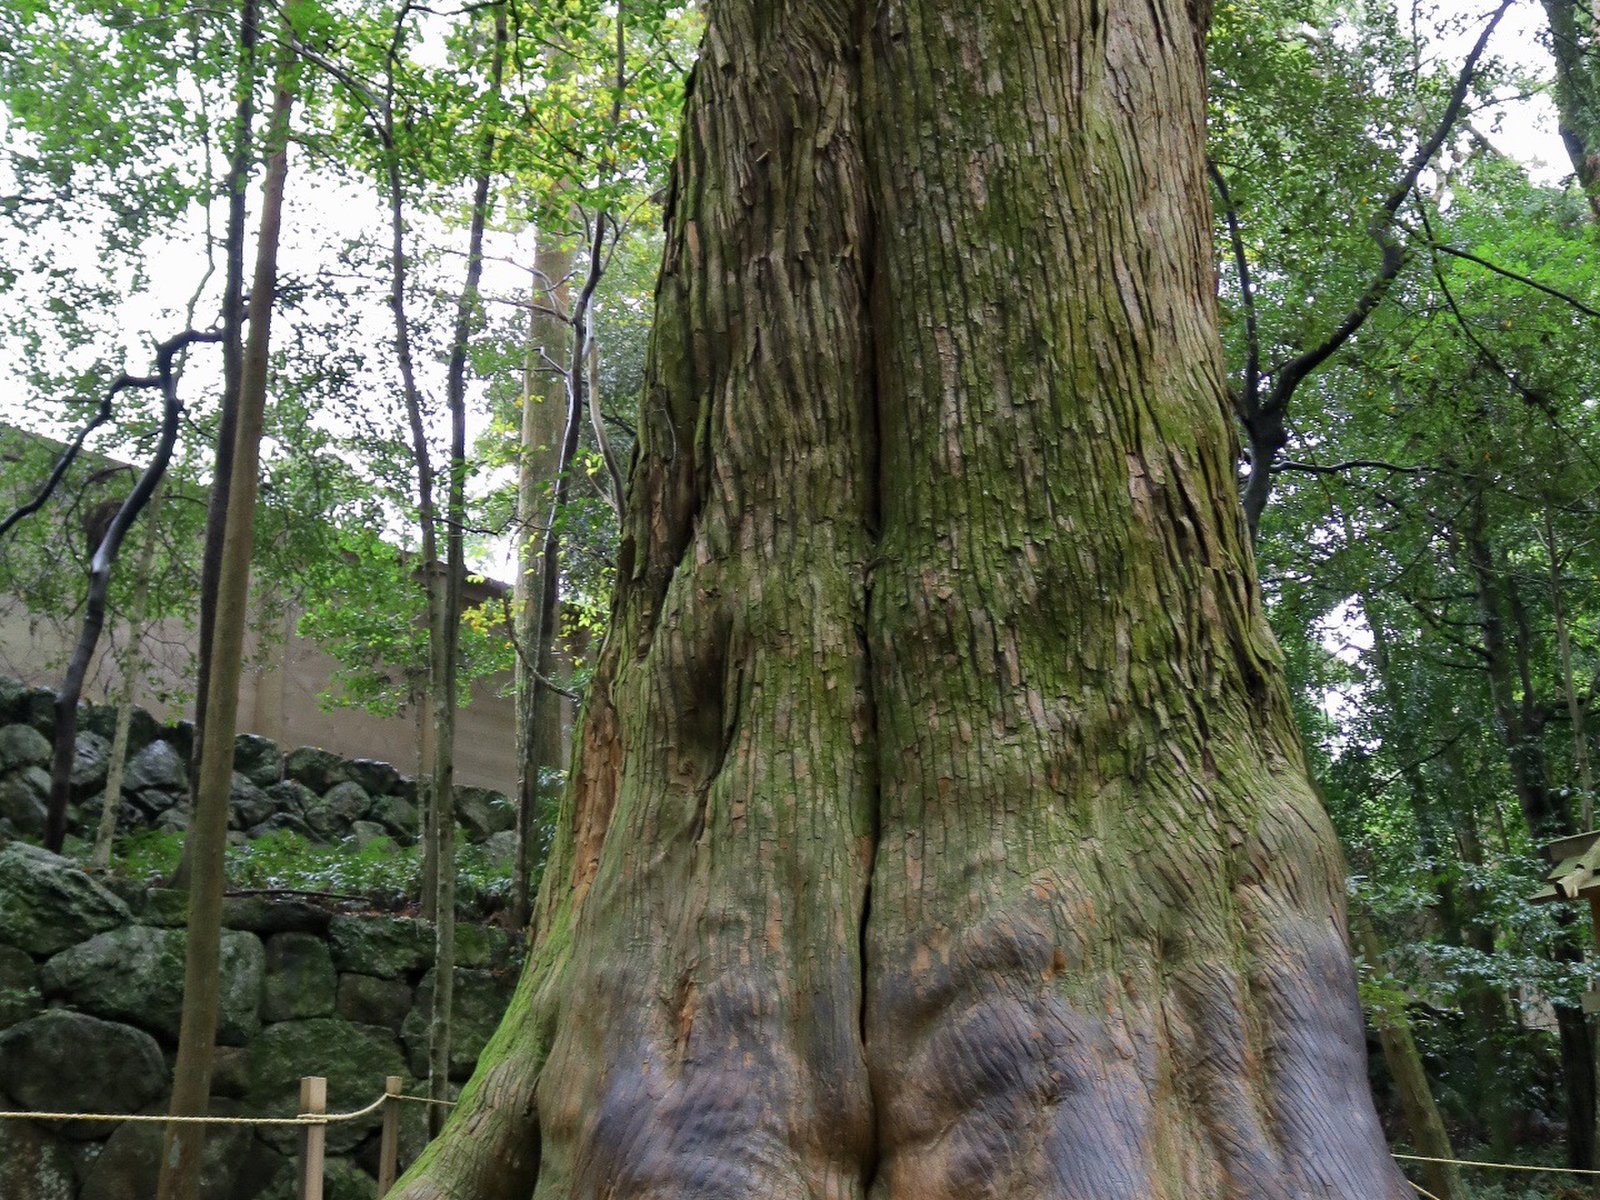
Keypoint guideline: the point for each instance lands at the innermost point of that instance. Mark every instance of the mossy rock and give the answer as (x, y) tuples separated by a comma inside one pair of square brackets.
[(35, 1163), (62, 1061), (136, 974), (368, 1000), (23, 746), (318, 769), (388, 947), (355, 1060), (478, 1003), (258, 759), (232, 1162), (48, 903), (300, 981)]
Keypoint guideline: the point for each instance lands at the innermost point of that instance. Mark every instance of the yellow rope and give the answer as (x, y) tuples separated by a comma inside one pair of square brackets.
[(422, 1099), (1426, 1194), (149, 1119), (1468, 1162)]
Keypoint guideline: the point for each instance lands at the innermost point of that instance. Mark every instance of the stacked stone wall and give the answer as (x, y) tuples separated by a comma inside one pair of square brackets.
[(91, 982)]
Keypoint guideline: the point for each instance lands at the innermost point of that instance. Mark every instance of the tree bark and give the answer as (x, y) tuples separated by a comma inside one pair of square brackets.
[(544, 403), (240, 158), (938, 826), (207, 839)]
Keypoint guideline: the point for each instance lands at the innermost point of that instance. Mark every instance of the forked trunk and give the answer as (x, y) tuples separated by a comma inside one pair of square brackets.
[(938, 827)]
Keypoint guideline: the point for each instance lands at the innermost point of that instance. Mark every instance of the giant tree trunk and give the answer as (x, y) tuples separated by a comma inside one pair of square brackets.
[(938, 827)]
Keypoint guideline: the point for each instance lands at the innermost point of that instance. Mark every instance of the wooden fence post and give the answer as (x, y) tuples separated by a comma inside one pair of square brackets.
[(313, 1138), (389, 1141)]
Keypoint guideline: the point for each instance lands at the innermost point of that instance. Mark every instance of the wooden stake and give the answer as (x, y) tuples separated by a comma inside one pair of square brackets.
[(313, 1138), (389, 1140)]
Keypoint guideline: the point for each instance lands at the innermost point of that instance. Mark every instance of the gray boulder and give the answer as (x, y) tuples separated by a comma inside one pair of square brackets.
[(355, 1060), (398, 815), (258, 759), (248, 805), (286, 822), (35, 1163), (364, 833), (158, 767), (477, 1005), (368, 1000), (290, 795), (300, 981), (102, 719), (349, 802), (64, 1061), (47, 903), (39, 710), (388, 947), (266, 914), (318, 769), (501, 848), (136, 974), (24, 798), (91, 759), (376, 778), (483, 811), (127, 1167), (23, 746)]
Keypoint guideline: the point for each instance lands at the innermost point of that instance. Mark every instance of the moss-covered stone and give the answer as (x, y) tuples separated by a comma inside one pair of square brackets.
[(24, 794), (47, 902), (482, 945), (388, 947), (136, 974), (318, 769), (478, 1003), (35, 1163), (299, 978), (62, 1061), (258, 759), (355, 1060), (232, 1164), (23, 746), (368, 1000), (266, 914)]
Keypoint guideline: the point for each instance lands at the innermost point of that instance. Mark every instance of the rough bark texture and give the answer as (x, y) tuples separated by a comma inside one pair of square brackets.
[(938, 826)]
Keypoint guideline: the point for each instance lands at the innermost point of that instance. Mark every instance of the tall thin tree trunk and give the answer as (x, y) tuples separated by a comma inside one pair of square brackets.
[(240, 159), (207, 840), (544, 396), (938, 826), (444, 700), (131, 671)]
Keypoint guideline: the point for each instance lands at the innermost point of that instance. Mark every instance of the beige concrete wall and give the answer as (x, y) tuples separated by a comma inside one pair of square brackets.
[(279, 696)]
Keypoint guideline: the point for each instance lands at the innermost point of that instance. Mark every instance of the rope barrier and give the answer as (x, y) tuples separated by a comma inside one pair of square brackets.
[(1469, 1162), (1424, 1192), (152, 1119), (422, 1099)]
